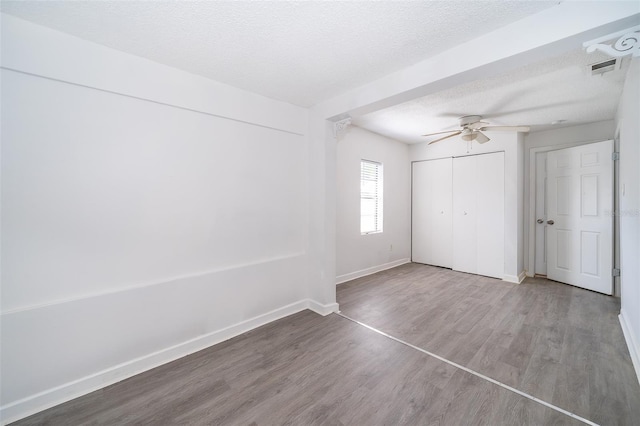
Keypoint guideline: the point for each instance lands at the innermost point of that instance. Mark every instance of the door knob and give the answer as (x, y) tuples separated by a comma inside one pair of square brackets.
[(550, 222), (540, 221)]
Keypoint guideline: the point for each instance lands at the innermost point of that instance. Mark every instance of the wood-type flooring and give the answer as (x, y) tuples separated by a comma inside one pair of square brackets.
[(556, 342), (553, 341)]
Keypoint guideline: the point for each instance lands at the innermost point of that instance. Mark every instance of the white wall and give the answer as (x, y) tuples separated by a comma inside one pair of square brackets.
[(511, 144), (146, 213), (358, 255), (548, 140), (629, 190)]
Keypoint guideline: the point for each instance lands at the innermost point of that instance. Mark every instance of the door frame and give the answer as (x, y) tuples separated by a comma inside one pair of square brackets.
[(530, 235), (537, 215)]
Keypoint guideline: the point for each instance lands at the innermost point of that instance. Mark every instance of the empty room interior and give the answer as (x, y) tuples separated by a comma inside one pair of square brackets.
[(315, 212)]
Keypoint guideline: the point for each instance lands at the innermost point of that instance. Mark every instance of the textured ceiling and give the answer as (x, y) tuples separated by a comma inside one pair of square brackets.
[(299, 52), (560, 88)]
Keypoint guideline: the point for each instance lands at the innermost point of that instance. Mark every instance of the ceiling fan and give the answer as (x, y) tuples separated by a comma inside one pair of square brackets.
[(471, 126)]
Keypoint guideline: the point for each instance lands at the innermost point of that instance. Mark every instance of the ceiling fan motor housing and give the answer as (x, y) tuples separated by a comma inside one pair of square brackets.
[(469, 119)]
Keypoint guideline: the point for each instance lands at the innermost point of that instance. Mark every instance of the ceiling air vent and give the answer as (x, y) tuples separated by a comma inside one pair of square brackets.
[(604, 66)]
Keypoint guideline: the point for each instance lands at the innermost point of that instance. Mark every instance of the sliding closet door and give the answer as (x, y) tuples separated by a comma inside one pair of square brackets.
[(465, 251), (478, 214), (431, 228)]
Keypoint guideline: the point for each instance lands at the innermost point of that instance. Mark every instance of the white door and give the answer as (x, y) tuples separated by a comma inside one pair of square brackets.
[(431, 228), (465, 221), (541, 213), (579, 216), (478, 214)]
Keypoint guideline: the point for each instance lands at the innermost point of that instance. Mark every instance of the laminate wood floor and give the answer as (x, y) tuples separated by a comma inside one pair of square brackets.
[(559, 343), (304, 370)]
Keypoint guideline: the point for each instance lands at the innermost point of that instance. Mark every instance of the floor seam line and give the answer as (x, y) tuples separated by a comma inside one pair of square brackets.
[(473, 372)]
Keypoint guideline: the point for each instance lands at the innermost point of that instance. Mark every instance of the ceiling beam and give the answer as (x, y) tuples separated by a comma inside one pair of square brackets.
[(553, 31)]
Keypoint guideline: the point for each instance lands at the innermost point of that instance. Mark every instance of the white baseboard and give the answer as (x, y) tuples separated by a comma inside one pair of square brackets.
[(35, 403), (515, 279), (632, 344), (364, 272), (323, 310)]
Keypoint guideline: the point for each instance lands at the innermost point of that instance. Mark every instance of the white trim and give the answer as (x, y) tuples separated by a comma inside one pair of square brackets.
[(632, 344), (364, 272), (41, 401), (611, 36), (515, 279), (321, 309), (140, 285)]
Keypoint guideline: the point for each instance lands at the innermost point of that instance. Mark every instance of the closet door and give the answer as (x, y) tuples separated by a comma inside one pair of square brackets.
[(478, 214), (431, 227), (465, 239)]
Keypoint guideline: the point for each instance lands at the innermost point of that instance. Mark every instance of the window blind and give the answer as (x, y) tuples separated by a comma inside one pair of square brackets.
[(370, 197)]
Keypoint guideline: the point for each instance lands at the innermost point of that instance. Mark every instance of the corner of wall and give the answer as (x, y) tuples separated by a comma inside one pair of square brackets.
[(632, 344), (340, 279), (515, 279), (358, 255), (321, 309)]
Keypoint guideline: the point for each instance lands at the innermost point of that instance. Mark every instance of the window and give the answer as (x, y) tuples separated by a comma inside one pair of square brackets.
[(370, 197)]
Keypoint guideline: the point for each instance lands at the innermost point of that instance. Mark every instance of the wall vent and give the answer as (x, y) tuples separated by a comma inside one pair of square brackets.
[(602, 67)]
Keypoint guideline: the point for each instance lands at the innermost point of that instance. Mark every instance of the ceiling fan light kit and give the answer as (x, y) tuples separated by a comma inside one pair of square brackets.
[(481, 138), (469, 135), (471, 126)]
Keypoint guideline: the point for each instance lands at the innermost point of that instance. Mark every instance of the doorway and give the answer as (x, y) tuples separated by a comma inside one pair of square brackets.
[(573, 215)]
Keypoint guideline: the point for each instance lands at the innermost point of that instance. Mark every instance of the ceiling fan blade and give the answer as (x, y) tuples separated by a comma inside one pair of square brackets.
[(439, 133), (506, 128), (446, 137), (481, 137)]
